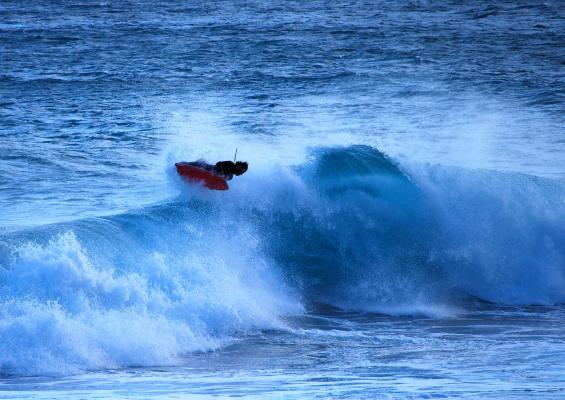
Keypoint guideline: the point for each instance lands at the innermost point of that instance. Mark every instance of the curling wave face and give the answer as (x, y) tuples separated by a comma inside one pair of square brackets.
[(378, 237), (349, 228)]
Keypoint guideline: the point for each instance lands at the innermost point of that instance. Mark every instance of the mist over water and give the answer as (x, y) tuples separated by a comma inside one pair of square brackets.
[(399, 232)]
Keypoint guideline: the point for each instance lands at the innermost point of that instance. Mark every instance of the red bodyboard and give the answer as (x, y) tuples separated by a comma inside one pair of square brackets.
[(207, 178)]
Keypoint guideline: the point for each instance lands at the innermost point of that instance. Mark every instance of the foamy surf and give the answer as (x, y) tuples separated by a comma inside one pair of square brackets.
[(349, 228)]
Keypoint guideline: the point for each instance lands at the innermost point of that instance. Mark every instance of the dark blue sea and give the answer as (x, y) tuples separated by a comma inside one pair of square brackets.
[(400, 232)]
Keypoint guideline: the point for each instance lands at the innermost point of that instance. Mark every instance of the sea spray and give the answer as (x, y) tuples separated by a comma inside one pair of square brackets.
[(61, 312), (350, 228)]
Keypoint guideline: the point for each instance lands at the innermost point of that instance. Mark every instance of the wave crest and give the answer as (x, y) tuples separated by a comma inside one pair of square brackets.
[(349, 228)]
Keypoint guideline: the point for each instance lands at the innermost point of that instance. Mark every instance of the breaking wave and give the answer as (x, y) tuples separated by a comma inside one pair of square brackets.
[(349, 228)]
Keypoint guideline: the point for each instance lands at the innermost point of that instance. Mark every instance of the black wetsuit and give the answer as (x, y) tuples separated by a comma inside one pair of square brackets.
[(223, 168)]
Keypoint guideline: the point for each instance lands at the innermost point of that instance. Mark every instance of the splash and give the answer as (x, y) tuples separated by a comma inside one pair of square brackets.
[(349, 228), (67, 307)]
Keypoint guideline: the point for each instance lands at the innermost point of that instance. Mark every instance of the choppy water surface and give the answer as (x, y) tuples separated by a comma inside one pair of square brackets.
[(352, 355), (400, 231)]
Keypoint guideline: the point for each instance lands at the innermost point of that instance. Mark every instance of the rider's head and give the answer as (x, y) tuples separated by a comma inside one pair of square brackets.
[(240, 168)]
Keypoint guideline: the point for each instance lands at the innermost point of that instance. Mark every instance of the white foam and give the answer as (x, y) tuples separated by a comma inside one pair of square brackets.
[(61, 313)]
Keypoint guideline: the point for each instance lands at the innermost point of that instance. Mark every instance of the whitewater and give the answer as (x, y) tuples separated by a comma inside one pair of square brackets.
[(400, 232)]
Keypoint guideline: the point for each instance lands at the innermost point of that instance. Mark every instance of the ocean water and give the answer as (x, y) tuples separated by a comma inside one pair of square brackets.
[(400, 232)]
